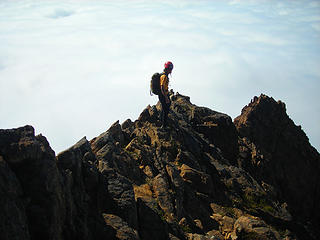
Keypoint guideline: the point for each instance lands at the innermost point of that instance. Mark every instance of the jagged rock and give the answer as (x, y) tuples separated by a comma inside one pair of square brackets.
[(219, 129), (282, 156), (127, 124), (127, 129), (71, 164), (172, 237), (13, 219), (124, 232), (201, 178), (187, 158), (33, 162), (113, 135), (120, 197), (200, 181), (110, 154), (161, 190), (151, 226), (81, 181), (178, 188), (150, 114), (144, 192), (226, 223), (253, 228), (215, 126), (215, 235)]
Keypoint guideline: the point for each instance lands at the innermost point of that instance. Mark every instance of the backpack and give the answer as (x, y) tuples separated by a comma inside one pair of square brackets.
[(155, 84)]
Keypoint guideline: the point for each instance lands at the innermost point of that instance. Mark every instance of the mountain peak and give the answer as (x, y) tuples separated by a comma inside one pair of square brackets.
[(204, 177)]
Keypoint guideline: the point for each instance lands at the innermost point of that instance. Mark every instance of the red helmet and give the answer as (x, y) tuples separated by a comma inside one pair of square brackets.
[(168, 65)]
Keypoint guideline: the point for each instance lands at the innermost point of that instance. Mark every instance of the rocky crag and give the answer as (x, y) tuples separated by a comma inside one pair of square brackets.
[(205, 177)]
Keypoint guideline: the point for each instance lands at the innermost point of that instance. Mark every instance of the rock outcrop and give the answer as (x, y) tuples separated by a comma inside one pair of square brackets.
[(205, 177)]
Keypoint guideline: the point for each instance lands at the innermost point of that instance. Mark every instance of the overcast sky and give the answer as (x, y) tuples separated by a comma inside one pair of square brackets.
[(72, 68)]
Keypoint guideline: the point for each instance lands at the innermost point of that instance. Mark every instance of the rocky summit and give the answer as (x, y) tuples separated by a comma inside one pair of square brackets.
[(203, 177)]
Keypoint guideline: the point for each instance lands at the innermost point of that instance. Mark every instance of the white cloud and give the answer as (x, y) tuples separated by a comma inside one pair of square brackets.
[(59, 13), (316, 27)]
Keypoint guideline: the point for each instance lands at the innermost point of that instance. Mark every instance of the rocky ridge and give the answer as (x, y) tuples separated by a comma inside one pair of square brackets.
[(205, 177)]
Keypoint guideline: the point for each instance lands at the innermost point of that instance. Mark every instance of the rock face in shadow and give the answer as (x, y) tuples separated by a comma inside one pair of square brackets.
[(33, 169), (283, 157), (204, 177)]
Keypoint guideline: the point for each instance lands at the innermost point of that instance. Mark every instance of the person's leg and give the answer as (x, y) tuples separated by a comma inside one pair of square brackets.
[(163, 109), (165, 113)]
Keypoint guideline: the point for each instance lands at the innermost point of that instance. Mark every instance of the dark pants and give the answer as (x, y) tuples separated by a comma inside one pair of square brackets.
[(164, 110)]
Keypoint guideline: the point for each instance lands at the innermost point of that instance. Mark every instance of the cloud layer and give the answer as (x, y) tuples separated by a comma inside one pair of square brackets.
[(72, 68)]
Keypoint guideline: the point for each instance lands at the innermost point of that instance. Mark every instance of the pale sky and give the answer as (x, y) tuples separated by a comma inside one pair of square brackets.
[(71, 68)]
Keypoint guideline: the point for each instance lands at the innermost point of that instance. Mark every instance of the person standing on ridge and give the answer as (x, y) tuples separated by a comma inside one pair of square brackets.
[(164, 94)]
